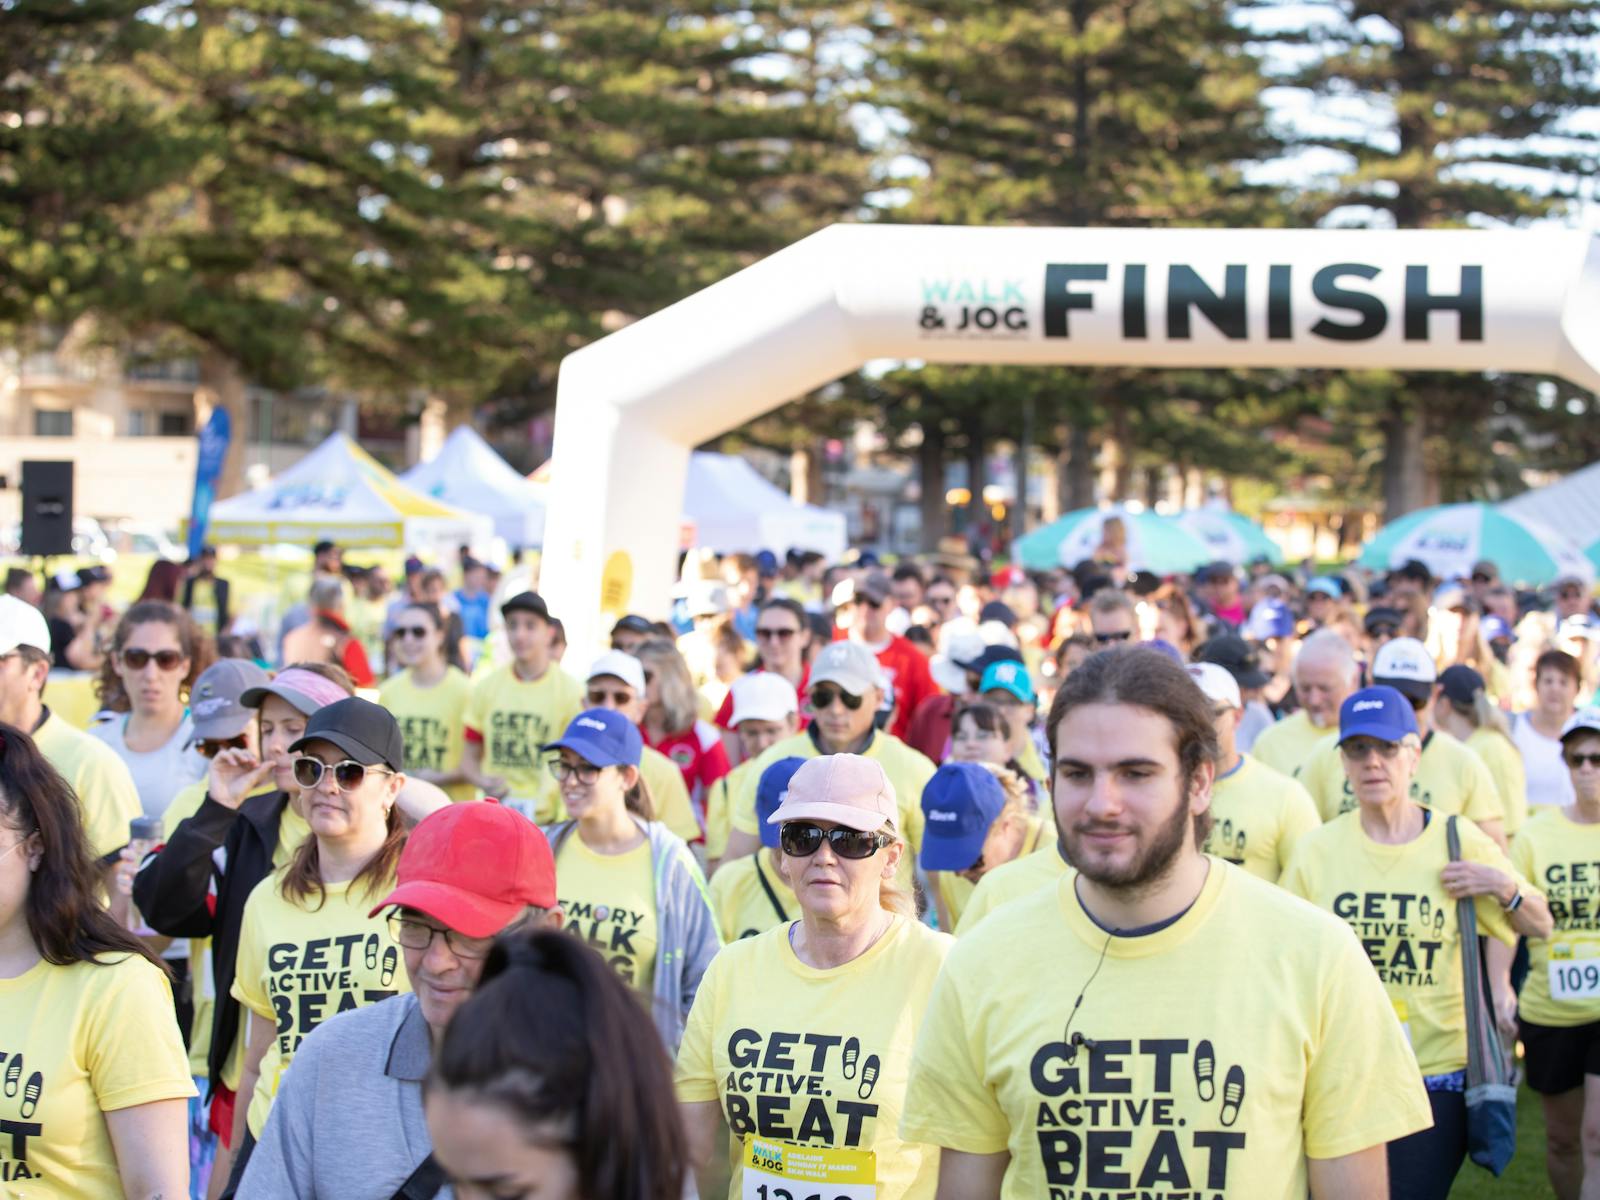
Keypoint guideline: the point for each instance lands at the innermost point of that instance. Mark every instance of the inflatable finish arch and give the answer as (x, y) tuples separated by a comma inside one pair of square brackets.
[(631, 406)]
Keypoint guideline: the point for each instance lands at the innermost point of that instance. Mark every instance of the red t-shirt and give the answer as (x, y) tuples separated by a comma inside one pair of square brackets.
[(724, 717), (699, 754)]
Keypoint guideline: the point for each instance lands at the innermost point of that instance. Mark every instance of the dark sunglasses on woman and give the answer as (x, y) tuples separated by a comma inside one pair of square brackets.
[(802, 839), (348, 774), (138, 660)]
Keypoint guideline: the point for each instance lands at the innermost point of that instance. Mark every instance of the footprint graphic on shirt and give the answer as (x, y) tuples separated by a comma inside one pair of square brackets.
[(1425, 911), (13, 1074), (869, 1077), (1238, 845), (852, 1051), (371, 951), (1205, 1068), (1438, 920), (1232, 1095), (30, 1094), (391, 960)]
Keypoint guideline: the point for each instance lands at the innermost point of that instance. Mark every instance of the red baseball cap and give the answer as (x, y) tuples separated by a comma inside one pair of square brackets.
[(474, 866)]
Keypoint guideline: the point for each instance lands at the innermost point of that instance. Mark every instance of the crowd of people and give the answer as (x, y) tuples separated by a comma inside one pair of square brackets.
[(874, 880)]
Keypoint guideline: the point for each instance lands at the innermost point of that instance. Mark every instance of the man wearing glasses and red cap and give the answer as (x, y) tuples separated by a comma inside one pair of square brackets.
[(348, 1119)]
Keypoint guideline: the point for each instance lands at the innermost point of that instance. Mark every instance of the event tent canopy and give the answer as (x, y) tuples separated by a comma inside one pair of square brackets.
[(340, 493), (1571, 505), (469, 475)]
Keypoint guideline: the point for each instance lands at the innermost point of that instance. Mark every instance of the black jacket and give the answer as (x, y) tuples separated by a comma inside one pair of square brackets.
[(220, 589), (173, 892)]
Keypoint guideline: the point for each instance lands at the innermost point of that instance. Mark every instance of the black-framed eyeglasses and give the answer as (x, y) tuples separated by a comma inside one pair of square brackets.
[(166, 660), (419, 935), (802, 839), (775, 635), (1107, 638), (586, 773), (823, 697), (211, 747), (1582, 760), (348, 774)]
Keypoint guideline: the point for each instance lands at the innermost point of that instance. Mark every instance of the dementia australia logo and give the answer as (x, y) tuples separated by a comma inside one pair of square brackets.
[(1366, 705), (992, 310)]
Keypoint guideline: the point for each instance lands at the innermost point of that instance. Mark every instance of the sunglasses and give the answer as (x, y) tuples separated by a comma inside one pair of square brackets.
[(211, 747), (775, 635), (941, 601), (167, 660), (586, 773), (412, 631), (600, 698), (1477, 578), (1383, 631), (823, 697), (1359, 748), (1583, 760), (348, 774), (802, 839), (1104, 638)]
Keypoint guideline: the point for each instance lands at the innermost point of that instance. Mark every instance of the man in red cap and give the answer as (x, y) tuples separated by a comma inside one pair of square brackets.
[(348, 1120)]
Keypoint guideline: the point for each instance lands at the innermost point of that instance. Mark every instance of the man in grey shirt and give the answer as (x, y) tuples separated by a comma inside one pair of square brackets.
[(347, 1123)]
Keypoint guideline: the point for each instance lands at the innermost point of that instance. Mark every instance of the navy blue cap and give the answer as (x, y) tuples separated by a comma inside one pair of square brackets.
[(960, 803), (1376, 712), (990, 656), (603, 737), (770, 791)]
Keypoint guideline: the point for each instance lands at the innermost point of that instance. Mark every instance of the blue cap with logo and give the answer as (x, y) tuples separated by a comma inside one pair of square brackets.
[(1008, 677), (603, 737), (772, 787), (1376, 712), (960, 803), (1269, 619)]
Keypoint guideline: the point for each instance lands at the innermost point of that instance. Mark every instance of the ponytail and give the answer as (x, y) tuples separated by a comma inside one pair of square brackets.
[(639, 801), (593, 1077)]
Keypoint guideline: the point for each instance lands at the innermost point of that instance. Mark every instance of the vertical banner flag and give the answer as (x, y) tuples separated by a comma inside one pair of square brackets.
[(214, 438)]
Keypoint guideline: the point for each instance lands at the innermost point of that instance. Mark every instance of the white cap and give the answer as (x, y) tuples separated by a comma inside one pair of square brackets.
[(1217, 683), (1404, 658), (707, 598), (1585, 720), (21, 624), (762, 696), (850, 665), (619, 666), (946, 668)]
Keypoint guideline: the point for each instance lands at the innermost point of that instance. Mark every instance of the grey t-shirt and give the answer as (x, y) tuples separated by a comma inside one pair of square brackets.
[(158, 774)]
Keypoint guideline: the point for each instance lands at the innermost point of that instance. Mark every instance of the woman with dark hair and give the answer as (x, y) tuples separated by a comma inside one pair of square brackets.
[(1557, 680), (581, 1112), (156, 655), (429, 696), (163, 582), (96, 1088), (308, 945), (628, 885)]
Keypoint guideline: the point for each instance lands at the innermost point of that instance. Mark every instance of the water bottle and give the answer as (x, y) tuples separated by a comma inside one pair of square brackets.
[(144, 835)]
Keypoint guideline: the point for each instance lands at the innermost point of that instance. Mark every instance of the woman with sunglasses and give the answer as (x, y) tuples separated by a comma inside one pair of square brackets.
[(309, 946), (629, 887), (429, 698), (92, 1103), (783, 637), (802, 1035), (1386, 869), (156, 656)]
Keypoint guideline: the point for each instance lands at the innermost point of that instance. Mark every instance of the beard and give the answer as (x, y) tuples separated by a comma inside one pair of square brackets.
[(1153, 855)]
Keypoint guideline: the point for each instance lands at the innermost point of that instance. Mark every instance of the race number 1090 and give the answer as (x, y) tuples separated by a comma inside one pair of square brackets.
[(1575, 979)]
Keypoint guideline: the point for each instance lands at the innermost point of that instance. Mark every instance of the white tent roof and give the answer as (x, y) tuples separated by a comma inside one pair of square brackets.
[(340, 492), (1571, 505), (735, 509), (468, 474)]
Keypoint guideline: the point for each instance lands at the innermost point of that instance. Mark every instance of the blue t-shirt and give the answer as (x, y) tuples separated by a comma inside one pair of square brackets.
[(474, 607)]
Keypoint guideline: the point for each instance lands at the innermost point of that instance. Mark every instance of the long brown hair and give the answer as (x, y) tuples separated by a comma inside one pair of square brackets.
[(66, 916), (302, 878), (596, 1073), (196, 648)]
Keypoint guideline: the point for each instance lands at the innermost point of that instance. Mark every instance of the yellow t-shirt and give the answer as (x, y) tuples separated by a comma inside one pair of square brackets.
[(77, 1042), (1561, 858), (720, 799), (956, 890), (1228, 1047), (101, 780), (1504, 760), (609, 901), (298, 967), (514, 719), (1287, 744), (668, 793), (817, 1058), (1011, 881), (430, 720), (1406, 922), (1257, 816), (1450, 779), (742, 905)]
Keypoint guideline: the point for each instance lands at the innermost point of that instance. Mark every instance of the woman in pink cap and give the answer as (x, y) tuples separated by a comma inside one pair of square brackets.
[(802, 1035)]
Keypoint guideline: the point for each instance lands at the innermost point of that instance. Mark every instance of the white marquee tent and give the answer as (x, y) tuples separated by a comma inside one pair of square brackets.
[(469, 475), (734, 509), (1571, 505)]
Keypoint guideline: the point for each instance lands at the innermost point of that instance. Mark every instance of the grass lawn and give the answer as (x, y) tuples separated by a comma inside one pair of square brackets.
[(1524, 1178)]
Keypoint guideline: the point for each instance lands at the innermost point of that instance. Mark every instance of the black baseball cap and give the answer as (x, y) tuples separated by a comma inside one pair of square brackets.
[(367, 732), (997, 610), (990, 656), (528, 602), (1214, 571), (1459, 683), (1237, 657), (633, 623), (1383, 615)]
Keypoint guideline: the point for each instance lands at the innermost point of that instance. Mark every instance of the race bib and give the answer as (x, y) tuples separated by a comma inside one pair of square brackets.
[(780, 1171), (1573, 978)]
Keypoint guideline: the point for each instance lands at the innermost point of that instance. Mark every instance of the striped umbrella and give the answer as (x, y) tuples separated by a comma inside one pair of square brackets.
[(1449, 538), (1155, 543)]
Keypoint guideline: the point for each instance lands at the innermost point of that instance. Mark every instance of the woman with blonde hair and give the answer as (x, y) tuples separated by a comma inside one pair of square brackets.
[(672, 723), (837, 996)]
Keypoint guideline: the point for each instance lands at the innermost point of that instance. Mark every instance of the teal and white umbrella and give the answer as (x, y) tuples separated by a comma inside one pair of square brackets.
[(1155, 543), (1228, 536), (1449, 538)]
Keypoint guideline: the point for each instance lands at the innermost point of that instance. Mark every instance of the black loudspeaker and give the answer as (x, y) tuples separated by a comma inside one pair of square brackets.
[(46, 508)]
